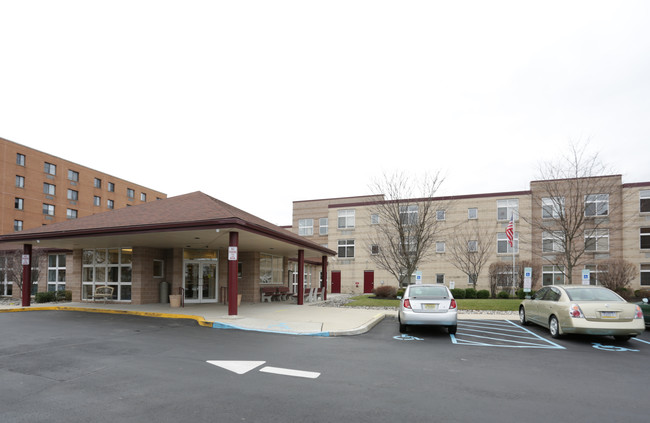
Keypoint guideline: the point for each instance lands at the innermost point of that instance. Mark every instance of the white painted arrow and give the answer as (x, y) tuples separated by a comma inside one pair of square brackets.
[(239, 367)]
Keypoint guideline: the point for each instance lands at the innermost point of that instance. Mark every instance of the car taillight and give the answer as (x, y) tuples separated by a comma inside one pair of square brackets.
[(407, 303), (639, 313), (574, 311), (452, 305)]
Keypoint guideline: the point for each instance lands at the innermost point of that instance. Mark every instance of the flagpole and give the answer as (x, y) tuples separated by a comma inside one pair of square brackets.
[(514, 282)]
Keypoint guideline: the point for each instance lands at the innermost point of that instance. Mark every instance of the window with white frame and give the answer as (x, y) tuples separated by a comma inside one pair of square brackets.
[(597, 240), (440, 278), (110, 204), (472, 213), (374, 219), (644, 238), (346, 219), (49, 168), (552, 275), (323, 226), (374, 249), (107, 267), (72, 214), (346, 248), (410, 245), (49, 189), (552, 207), (19, 203), (97, 201), (306, 227), (645, 274), (5, 284), (440, 246), (644, 201), (20, 181), (506, 208), (596, 205), (552, 241), (20, 159), (111, 187), (440, 215), (143, 196), (503, 246), (472, 246), (130, 193), (48, 209), (56, 272), (73, 195), (408, 214), (271, 269), (73, 176), (594, 273), (18, 225)]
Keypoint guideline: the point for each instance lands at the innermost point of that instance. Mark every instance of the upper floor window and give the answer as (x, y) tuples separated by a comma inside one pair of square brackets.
[(97, 201), (506, 208), (111, 187), (597, 240), (48, 209), (346, 219), (19, 203), (644, 201), (374, 249), (306, 227), (440, 215), (374, 219), (143, 196), (49, 168), (110, 204), (472, 246), (130, 193), (73, 176), (20, 159), (597, 205), (644, 238), (20, 181), (552, 207), (72, 214), (503, 246), (18, 225), (97, 183), (346, 248), (323, 226), (552, 241), (49, 189), (440, 247), (472, 213), (408, 214), (73, 195)]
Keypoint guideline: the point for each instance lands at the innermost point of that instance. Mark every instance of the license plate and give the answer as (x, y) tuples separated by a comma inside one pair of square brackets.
[(608, 314), (431, 306)]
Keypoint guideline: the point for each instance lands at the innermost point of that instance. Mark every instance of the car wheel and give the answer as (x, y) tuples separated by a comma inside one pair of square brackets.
[(554, 327), (452, 329), (402, 328), (522, 316), (622, 338)]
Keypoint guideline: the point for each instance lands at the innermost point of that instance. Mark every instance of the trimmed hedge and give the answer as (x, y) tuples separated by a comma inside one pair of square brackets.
[(458, 293), (470, 293), (483, 294), (503, 295)]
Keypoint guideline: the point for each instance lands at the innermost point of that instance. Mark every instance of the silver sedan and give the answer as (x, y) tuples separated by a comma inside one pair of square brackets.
[(428, 305)]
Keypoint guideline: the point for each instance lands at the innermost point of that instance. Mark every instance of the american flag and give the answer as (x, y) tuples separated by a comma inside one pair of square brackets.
[(510, 229)]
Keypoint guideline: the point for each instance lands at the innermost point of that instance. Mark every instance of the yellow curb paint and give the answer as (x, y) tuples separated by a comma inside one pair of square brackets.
[(198, 319)]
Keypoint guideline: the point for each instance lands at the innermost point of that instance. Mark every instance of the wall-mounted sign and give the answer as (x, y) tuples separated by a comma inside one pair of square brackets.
[(232, 253)]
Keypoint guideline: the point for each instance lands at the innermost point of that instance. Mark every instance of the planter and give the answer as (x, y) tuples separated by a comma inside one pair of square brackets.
[(175, 301)]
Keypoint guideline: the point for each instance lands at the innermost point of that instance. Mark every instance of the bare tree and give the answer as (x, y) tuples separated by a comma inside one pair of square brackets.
[(616, 274), (14, 266), (406, 224), (469, 248), (501, 276), (573, 204)]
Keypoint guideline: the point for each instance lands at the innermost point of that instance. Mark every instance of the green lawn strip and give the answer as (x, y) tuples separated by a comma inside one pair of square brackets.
[(463, 304)]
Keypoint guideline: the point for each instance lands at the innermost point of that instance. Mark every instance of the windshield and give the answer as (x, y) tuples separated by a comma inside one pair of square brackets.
[(427, 291), (591, 294)]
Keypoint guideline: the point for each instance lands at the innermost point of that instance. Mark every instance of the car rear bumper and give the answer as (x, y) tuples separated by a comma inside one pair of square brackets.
[(449, 318), (583, 326)]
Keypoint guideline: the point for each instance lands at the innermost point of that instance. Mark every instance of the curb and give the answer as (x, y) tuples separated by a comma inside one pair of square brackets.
[(361, 329)]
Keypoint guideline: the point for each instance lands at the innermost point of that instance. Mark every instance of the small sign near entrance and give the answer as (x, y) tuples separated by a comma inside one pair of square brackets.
[(25, 259), (232, 253), (528, 279), (585, 277)]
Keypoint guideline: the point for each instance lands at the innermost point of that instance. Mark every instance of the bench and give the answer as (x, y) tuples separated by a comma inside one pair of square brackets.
[(269, 294), (284, 293), (103, 292)]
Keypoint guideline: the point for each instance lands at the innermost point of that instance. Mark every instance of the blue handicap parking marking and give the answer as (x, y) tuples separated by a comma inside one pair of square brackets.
[(407, 338), (499, 333), (611, 348)]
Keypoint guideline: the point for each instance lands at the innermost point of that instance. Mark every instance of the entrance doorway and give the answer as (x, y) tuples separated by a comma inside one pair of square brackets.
[(336, 282), (368, 281), (200, 281)]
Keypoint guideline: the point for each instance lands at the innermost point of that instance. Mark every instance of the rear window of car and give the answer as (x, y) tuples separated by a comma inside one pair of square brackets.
[(590, 294), (428, 291)]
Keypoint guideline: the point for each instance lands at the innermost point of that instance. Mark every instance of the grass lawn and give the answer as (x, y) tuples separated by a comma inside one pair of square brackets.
[(463, 304)]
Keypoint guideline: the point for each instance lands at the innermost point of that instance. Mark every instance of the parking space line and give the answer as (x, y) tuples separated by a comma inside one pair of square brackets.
[(641, 340), (505, 334)]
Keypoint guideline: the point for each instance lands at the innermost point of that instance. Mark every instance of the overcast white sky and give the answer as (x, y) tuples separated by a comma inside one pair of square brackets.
[(260, 103)]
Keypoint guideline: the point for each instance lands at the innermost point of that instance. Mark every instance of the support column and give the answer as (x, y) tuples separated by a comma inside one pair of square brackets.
[(301, 276), (324, 281), (233, 255), (27, 274)]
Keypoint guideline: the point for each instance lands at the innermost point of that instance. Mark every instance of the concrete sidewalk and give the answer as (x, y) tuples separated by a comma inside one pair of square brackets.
[(274, 317)]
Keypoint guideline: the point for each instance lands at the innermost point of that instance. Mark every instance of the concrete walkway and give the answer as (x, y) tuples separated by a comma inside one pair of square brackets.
[(275, 317)]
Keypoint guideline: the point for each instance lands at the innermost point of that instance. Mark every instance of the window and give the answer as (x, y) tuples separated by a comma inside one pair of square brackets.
[(73, 195), (440, 215), (130, 193), (552, 275), (306, 227), (645, 238), (20, 159), (408, 215), (472, 246), (323, 226), (107, 267), (19, 203), (597, 240), (346, 248), (440, 247), (5, 285), (97, 183), (97, 201), (645, 274), (143, 196), (472, 213), (72, 214), (644, 201), (50, 169), (374, 249), (48, 209), (271, 269), (20, 181), (410, 245), (159, 268), (49, 189), (56, 272), (73, 176), (594, 272), (553, 242), (440, 278), (506, 208), (346, 219), (552, 207), (597, 205), (110, 204), (374, 219), (503, 246), (18, 225), (111, 187)]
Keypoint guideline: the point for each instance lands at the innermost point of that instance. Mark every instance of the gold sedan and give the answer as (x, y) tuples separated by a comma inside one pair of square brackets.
[(583, 309)]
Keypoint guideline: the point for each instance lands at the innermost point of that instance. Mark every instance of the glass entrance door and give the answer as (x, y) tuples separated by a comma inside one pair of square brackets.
[(200, 281)]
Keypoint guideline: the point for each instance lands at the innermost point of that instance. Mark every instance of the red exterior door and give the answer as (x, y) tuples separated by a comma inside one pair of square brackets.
[(336, 282), (368, 281)]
